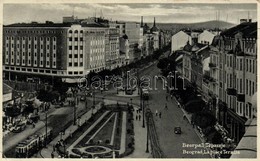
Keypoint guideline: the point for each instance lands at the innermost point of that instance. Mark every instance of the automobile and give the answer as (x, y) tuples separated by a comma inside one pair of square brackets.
[(18, 128), (177, 130)]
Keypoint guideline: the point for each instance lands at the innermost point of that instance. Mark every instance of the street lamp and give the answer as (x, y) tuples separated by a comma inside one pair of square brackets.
[(147, 124), (74, 106), (131, 101)]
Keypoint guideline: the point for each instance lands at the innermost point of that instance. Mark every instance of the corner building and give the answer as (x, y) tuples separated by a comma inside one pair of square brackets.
[(51, 49)]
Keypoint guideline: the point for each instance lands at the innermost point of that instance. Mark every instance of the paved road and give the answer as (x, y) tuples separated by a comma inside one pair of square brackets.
[(171, 144), (57, 119)]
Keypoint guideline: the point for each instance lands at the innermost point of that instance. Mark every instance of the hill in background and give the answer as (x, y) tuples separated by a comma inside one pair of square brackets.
[(175, 27)]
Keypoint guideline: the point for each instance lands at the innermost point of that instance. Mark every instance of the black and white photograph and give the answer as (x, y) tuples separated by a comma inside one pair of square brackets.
[(129, 80)]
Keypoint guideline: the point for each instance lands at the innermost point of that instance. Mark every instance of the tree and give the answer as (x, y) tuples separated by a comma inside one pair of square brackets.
[(28, 108), (163, 63), (194, 106), (203, 119), (61, 87), (217, 138)]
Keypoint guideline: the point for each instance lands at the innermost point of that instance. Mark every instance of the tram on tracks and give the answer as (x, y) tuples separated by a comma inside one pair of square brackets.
[(33, 143)]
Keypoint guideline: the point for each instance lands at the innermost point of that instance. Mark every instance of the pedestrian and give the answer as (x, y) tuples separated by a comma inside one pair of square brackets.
[(166, 97), (179, 105), (136, 117), (171, 96), (52, 155), (166, 107), (156, 113), (139, 117), (160, 115)]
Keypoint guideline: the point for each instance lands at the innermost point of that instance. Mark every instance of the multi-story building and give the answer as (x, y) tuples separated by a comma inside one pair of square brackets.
[(112, 49), (206, 37), (179, 40), (234, 63), (51, 49)]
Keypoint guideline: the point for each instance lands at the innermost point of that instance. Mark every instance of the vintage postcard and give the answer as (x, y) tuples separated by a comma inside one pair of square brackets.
[(168, 79)]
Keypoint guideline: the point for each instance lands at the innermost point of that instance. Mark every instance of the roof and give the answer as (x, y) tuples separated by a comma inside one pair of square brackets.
[(39, 25), (248, 29), (215, 40), (7, 89), (247, 146)]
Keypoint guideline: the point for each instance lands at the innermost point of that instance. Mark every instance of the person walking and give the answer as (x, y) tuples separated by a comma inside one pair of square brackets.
[(166, 107), (136, 117), (179, 105), (166, 97), (156, 113), (52, 155), (171, 96), (160, 115), (139, 117)]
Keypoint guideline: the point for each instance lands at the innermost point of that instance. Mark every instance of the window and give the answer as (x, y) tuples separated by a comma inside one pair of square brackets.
[(75, 39), (70, 47), (54, 63), (250, 88), (41, 63), (70, 39), (48, 54), (41, 54), (54, 47), (81, 64), (81, 47), (240, 88), (48, 47), (75, 56), (246, 86), (75, 64), (250, 65), (54, 55), (54, 39), (70, 64), (76, 31), (29, 46), (81, 55), (47, 63), (253, 68), (241, 65), (81, 39), (35, 46), (253, 89), (70, 55), (247, 65), (75, 47)]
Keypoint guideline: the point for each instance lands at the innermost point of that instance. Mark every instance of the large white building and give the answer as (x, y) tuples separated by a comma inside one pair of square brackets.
[(206, 37), (179, 40)]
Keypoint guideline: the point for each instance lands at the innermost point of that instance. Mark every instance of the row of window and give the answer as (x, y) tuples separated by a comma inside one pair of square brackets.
[(18, 62), (76, 47), (31, 38), (76, 39), (249, 64), (240, 109), (75, 72), (76, 64), (34, 31), (29, 54)]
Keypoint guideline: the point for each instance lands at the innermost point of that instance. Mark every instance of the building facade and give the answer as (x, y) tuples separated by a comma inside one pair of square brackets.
[(56, 50), (234, 63)]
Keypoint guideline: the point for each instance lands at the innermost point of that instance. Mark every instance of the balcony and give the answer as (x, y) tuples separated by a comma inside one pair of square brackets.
[(212, 65), (231, 91), (241, 97)]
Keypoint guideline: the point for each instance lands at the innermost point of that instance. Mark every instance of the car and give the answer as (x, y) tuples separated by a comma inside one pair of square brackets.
[(177, 130)]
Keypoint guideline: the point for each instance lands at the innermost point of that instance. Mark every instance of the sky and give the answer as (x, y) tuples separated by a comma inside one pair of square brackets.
[(164, 12)]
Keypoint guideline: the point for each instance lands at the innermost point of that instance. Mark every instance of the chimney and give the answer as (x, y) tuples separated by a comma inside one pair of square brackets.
[(243, 21), (250, 20), (142, 21)]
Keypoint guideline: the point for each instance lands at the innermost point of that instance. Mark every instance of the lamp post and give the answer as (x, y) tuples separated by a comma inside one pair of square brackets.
[(147, 124), (74, 106)]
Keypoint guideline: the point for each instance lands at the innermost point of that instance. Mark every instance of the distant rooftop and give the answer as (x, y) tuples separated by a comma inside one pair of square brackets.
[(248, 29)]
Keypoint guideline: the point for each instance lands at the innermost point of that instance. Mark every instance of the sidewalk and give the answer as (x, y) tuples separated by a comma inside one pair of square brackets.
[(46, 152), (140, 139)]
